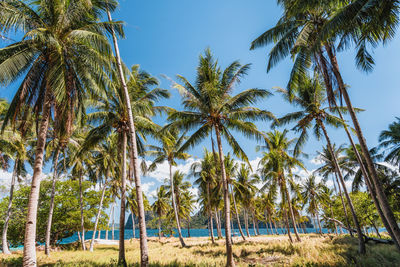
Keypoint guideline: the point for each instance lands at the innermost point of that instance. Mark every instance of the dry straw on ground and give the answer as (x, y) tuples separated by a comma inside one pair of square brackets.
[(257, 251)]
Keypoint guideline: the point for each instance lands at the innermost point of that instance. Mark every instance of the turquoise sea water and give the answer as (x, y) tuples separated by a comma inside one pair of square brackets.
[(154, 233)]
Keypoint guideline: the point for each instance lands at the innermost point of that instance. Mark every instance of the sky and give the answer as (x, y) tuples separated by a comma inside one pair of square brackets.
[(167, 37)]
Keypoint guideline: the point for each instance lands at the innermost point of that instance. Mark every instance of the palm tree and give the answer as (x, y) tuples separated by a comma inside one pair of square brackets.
[(106, 163), (209, 106), (111, 115), (160, 206), (275, 169), (14, 145), (231, 169), (187, 206), (245, 190), (268, 201), (306, 32), (64, 50), (313, 196), (170, 152), (310, 96), (205, 174), (390, 140), (328, 168), (132, 205), (179, 187)]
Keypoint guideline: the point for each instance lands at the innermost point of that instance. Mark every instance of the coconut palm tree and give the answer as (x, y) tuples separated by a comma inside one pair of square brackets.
[(244, 187), (204, 173), (231, 170), (111, 116), (310, 97), (176, 190), (63, 52), (209, 106), (303, 32), (389, 140), (328, 169), (105, 162), (187, 206), (15, 145), (275, 168), (160, 206), (171, 141), (313, 195), (268, 201), (132, 204)]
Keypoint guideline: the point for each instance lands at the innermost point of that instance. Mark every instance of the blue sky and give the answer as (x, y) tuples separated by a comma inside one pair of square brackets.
[(166, 37)]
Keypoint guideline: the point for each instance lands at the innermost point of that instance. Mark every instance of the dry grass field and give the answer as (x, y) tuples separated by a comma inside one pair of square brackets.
[(314, 250)]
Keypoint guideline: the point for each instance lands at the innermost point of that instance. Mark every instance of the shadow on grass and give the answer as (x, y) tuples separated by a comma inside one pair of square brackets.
[(17, 262)]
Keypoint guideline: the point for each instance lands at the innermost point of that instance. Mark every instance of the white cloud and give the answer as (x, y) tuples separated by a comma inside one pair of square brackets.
[(162, 171), (146, 187)]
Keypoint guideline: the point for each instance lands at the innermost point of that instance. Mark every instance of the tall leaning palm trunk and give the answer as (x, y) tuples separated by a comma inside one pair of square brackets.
[(383, 201), (361, 243), (364, 172), (103, 191), (8, 214), (51, 209), (228, 238), (173, 198), (144, 255), (368, 182), (29, 258), (291, 214)]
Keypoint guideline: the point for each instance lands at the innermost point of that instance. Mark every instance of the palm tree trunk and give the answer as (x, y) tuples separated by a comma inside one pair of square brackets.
[(368, 182), (29, 258), (319, 223), (275, 227), (237, 215), (133, 225), (53, 192), (188, 224), (376, 229), (8, 214), (109, 218), (336, 231), (159, 227), (113, 225), (144, 254), (99, 235), (228, 240), (367, 178), (343, 204), (178, 224), (121, 254), (266, 222), (246, 222), (211, 227), (361, 242), (383, 201), (103, 191), (303, 225), (291, 214), (287, 225), (210, 213), (218, 223), (254, 225), (81, 208)]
